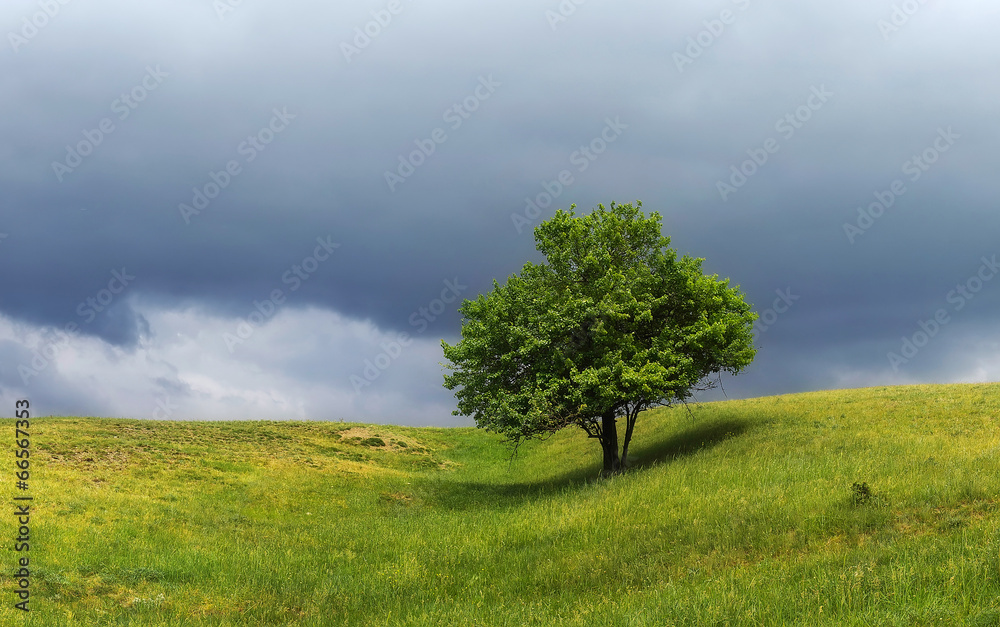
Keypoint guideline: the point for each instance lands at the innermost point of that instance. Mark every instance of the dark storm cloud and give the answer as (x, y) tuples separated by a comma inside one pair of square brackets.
[(828, 105)]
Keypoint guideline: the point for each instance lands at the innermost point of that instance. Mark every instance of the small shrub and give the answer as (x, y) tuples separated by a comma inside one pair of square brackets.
[(861, 493), (373, 442)]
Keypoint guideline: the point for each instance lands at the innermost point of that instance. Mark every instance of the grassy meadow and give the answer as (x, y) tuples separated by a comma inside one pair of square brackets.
[(734, 513)]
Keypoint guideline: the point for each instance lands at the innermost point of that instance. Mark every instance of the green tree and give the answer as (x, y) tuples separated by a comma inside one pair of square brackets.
[(612, 324)]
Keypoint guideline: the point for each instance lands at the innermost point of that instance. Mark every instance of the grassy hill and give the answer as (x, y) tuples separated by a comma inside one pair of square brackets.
[(736, 513)]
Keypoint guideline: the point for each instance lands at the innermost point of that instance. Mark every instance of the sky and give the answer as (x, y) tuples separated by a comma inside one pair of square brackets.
[(234, 209)]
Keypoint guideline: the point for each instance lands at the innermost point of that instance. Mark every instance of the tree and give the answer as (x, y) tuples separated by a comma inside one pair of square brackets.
[(613, 324)]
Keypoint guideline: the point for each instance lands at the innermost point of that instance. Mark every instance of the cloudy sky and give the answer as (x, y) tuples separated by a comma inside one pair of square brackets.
[(233, 209)]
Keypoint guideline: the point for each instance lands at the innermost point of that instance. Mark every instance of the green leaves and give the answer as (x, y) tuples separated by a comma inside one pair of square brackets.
[(612, 321)]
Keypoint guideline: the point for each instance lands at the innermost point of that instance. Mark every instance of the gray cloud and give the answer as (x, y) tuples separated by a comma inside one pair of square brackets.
[(188, 93)]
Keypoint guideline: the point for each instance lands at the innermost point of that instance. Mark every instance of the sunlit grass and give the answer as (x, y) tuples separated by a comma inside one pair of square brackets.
[(735, 513)]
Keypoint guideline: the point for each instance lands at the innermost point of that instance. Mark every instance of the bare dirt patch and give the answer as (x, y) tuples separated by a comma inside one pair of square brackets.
[(357, 432)]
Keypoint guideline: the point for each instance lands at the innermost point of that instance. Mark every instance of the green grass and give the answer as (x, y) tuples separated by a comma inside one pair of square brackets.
[(735, 513)]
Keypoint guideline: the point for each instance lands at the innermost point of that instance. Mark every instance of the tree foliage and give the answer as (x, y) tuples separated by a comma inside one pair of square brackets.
[(611, 324)]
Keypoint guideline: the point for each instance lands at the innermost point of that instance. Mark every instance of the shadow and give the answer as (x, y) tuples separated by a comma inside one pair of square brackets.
[(467, 495), (701, 437)]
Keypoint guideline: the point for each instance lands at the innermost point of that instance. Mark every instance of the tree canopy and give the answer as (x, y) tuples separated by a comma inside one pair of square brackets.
[(612, 323)]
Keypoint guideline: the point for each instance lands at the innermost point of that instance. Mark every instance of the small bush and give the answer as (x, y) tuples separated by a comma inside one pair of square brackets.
[(373, 442), (861, 493)]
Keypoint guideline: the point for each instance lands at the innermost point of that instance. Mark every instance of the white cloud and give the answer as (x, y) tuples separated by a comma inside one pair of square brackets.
[(297, 365)]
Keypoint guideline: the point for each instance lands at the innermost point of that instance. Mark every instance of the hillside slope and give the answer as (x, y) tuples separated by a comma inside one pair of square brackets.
[(735, 513)]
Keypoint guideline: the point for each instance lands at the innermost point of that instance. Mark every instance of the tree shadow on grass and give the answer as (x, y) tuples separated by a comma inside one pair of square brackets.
[(467, 495), (700, 437)]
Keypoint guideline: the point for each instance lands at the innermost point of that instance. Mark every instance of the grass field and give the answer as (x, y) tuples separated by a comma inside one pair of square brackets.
[(735, 513)]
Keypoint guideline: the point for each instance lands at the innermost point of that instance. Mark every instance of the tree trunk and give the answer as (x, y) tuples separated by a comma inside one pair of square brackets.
[(609, 441), (628, 437)]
